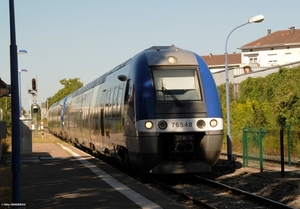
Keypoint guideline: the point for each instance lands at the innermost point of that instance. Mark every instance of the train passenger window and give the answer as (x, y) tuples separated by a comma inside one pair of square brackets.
[(111, 102), (183, 84), (102, 122), (119, 102), (107, 111), (127, 92), (121, 86), (114, 105)]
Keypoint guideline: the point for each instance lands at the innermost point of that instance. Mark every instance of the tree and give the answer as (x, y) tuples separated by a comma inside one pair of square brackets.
[(70, 86)]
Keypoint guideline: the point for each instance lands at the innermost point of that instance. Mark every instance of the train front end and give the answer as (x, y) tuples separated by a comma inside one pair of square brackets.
[(178, 113)]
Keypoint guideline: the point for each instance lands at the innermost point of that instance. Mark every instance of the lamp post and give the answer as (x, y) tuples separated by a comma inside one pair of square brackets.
[(20, 93), (15, 114), (255, 19)]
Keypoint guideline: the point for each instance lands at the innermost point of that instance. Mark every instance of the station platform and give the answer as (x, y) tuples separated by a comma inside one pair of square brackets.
[(61, 176)]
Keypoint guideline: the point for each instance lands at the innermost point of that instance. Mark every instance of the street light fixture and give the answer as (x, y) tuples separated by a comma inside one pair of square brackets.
[(20, 93), (255, 19), (22, 51)]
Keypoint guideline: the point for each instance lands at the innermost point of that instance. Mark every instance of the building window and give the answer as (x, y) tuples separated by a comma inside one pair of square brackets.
[(288, 57), (272, 58), (252, 59)]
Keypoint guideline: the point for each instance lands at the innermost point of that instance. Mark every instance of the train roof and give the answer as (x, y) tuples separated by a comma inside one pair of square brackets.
[(159, 48), (102, 78)]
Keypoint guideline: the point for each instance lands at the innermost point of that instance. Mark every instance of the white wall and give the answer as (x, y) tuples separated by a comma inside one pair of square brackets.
[(281, 56)]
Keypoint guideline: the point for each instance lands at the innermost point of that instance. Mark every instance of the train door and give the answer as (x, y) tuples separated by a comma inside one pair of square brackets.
[(114, 103), (107, 113), (71, 118), (128, 109), (76, 111), (99, 120), (80, 121), (102, 122), (62, 118), (119, 106), (93, 117)]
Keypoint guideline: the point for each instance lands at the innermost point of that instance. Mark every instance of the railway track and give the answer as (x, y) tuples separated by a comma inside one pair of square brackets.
[(244, 194), (200, 192)]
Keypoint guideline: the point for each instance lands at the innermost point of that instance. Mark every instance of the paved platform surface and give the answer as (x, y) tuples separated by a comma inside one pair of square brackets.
[(53, 177), (61, 176)]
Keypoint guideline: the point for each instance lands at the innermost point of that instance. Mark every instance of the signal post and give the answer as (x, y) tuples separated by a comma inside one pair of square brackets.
[(34, 109)]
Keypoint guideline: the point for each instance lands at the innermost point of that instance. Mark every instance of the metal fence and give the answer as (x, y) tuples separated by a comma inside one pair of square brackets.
[(262, 144)]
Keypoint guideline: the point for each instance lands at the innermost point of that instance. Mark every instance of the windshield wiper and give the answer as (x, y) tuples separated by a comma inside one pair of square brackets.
[(167, 92)]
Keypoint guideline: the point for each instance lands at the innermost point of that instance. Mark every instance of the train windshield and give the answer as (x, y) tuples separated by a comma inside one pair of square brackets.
[(176, 84)]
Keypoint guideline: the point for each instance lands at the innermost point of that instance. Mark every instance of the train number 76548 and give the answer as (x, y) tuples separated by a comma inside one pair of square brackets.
[(182, 124)]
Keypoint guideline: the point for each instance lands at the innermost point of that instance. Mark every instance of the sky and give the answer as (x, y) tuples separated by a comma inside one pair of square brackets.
[(85, 38)]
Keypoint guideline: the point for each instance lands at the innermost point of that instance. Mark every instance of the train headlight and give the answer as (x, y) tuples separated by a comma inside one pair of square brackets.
[(201, 123), (148, 125), (162, 125), (213, 123), (172, 59)]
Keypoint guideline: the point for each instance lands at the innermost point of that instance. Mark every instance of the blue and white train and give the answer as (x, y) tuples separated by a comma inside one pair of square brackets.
[(159, 111)]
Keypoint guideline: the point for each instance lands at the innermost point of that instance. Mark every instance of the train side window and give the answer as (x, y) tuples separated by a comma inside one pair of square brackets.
[(119, 102), (116, 95), (111, 102), (114, 105), (107, 98), (102, 121), (127, 92), (107, 103)]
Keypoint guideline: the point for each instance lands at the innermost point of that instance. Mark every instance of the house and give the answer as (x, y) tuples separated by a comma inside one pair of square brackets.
[(217, 62), (4, 88), (278, 48), (258, 58)]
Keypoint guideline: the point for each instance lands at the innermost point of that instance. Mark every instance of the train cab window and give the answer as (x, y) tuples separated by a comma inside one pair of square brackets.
[(180, 84)]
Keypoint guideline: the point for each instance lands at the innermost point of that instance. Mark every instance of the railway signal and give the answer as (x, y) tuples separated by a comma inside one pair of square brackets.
[(33, 84)]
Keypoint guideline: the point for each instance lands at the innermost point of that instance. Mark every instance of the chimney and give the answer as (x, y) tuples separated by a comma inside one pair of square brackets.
[(292, 29), (269, 31), (210, 55)]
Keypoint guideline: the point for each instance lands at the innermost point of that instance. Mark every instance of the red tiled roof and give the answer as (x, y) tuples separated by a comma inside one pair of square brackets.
[(278, 38), (219, 59), (3, 89), (2, 84)]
